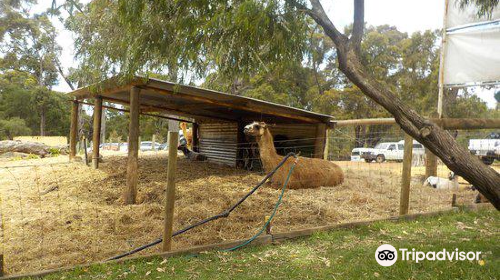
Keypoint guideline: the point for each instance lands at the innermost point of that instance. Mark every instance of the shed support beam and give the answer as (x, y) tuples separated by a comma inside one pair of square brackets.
[(96, 135), (130, 194), (73, 129), (319, 144), (196, 140)]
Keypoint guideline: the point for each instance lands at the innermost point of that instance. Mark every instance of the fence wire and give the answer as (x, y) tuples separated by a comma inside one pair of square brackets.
[(61, 214)]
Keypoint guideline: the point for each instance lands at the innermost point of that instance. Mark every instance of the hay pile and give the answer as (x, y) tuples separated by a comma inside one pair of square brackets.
[(65, 214)]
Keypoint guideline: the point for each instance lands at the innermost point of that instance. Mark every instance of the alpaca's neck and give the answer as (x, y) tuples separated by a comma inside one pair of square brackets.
[(266, 148)]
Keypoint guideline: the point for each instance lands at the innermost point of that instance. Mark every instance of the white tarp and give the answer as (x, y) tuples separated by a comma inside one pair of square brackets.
[(472, 57), (457, 17)]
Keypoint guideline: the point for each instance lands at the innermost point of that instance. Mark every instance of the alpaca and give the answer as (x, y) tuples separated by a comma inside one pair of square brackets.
[(308, 173), (442, 183)]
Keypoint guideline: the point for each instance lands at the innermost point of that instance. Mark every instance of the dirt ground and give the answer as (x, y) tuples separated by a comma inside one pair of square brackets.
[(55, 213)]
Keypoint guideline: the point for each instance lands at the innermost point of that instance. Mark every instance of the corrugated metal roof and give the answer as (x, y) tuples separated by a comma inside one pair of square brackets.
[(197, 103)]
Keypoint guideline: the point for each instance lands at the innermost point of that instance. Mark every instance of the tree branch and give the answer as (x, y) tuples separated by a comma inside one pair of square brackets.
[(359, 23), (318, 14)]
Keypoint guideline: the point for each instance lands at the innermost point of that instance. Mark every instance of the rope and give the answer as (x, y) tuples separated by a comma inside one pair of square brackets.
[(272, 215), (224, 214)]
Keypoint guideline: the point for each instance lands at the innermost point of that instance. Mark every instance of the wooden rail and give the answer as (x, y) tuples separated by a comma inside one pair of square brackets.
[(446, 123)]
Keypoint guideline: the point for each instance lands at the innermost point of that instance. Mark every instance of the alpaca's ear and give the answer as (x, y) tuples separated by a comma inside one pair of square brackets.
[(263, 124)]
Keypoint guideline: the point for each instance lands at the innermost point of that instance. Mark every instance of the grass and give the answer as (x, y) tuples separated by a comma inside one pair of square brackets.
[(339, 254)]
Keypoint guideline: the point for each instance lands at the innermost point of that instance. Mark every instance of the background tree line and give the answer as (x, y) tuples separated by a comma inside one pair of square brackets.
[(29, 67)]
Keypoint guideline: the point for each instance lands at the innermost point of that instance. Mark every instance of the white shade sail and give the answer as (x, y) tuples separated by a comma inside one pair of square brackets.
[(457, 17), (473, 57)]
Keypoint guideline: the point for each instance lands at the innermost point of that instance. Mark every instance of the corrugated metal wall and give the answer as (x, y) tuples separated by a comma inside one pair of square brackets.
[(219, 142), (295, 138)]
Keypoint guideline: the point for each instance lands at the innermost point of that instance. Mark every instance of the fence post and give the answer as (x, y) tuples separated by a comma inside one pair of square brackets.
[(1, 266), (73, 129), (96, 140), (130, 194), (153, 142), (430, 164), (405, 182), (327, 146), (173, 138)]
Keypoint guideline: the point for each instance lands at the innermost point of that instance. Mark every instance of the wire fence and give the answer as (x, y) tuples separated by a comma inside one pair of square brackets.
[(54, 213)]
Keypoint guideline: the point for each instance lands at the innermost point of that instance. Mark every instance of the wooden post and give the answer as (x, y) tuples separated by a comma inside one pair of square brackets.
[(85, 151), (96, 137), (319, 143), (442, 55), (130, 194), (173, 138), (405, 182), (73, 129), (2, 268), (153, 142), (454, 200), (430, 164), (326, 153), (196, 140)]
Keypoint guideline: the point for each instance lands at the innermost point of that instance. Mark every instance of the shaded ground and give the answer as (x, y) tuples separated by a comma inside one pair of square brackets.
[(339, 254), (56, 213)]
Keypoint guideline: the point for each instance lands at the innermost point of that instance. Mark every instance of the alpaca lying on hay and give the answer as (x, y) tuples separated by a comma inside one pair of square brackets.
[(308, 173)]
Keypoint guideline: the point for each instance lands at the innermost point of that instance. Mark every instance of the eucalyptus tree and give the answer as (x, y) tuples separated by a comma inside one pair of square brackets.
[(27, 44), (236, 37)]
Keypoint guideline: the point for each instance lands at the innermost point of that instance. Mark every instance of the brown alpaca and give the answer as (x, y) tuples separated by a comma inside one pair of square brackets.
[(308, 173)]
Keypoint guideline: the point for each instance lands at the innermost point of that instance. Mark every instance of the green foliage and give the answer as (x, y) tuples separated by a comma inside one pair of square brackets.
[(485, 7), (144, 36), (10, 128), (28, 71)]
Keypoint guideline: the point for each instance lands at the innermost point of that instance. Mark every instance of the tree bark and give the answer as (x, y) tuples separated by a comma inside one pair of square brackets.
[(24, 147), (437, 140)]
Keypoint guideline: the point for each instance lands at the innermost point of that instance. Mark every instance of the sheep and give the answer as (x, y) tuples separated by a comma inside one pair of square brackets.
[(442, 183)]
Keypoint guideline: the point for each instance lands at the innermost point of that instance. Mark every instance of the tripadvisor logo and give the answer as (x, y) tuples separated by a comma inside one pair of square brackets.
[(387, 255)]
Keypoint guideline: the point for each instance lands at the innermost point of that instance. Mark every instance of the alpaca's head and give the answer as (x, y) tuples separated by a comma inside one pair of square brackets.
[(255, 129)]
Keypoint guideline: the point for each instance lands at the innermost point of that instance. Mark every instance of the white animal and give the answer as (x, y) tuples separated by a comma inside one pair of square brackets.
[(442, 183)]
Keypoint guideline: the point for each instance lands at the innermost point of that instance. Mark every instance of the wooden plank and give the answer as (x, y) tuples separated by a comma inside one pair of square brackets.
[(446, 123), (319, 142), (173, 138), (73, 129), (96, 136), (130, 194), (404, 201)]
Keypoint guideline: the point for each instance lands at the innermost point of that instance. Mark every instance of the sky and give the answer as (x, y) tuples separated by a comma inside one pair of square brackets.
[(407, 15)]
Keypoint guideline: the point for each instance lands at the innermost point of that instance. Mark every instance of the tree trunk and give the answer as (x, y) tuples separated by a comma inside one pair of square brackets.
[(439, 141), (42, 122), (24, 147)]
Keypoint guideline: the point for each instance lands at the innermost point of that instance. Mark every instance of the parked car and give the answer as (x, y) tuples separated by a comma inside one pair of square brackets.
[(390, 151), (356, 153), (487, 149), (148, 146), (163, 147)]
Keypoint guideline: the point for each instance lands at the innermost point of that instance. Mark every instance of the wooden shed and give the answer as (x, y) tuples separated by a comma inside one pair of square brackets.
[(218, 118)]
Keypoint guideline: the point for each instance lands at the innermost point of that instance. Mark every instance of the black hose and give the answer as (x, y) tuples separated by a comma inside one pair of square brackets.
[(224, 214)]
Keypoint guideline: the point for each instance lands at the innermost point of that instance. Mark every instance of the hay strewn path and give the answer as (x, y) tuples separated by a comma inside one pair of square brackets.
[(56, 213)]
